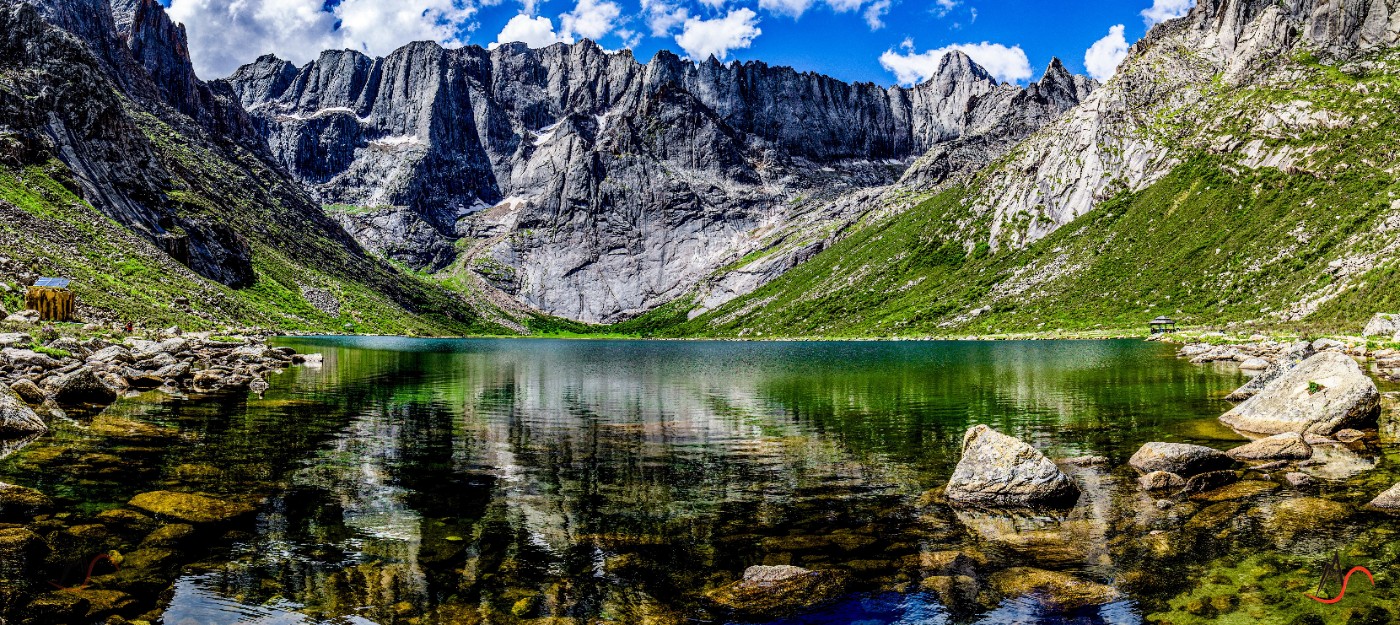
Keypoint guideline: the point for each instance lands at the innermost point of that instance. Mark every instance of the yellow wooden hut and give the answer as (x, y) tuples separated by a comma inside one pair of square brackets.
[(51, 298)]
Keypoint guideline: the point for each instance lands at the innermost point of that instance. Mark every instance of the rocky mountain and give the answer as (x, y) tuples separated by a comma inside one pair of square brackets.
[(587, 185), (120, 168), (1239, 169)]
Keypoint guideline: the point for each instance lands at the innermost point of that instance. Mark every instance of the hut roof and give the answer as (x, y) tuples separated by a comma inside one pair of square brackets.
[(1163, 319)]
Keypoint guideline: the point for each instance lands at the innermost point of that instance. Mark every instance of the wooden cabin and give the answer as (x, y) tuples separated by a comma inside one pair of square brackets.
[(51, 298), (1162, 325)]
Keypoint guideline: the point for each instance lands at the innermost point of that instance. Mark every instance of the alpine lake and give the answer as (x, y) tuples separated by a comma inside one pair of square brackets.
[(553, 482)]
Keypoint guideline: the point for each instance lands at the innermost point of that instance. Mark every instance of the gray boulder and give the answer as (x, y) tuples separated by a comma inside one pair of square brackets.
[(17, 419), (1388, 500), (1291, 356), (23, 316), (28, 358), (1323, 394), (1161, 480), (998, 470), (28, 391), (1179, 458), (83, 387), (1286, 446), (112, 353), (1382, 324)]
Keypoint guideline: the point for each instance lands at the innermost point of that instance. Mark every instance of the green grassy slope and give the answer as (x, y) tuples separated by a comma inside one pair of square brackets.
[(1309, 244), (50, 230)]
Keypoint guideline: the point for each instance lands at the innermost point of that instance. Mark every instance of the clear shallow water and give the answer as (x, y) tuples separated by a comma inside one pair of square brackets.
[(505, 481)]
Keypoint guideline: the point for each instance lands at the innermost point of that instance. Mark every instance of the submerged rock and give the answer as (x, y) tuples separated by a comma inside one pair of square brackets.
[(773, 591), (1179, 458), (1286, 446), (1305, 514), (1298, 480), (17, 419), (1388, 501), (19, 504), (1059, 591), (1323, 394), (189, 507), (998, 470)]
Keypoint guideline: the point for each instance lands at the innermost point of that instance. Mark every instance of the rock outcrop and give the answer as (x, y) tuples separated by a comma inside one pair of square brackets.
[(596, 187), (1323, 394), (998, 470)]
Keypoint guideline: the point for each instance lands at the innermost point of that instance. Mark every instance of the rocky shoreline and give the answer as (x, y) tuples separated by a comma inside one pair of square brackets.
[(49, 374)]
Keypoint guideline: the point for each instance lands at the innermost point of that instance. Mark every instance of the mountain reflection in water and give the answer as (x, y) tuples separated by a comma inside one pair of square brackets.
[(554, 482)]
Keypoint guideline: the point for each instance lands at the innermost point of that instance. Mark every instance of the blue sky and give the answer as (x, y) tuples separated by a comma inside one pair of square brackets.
[(882, 41)]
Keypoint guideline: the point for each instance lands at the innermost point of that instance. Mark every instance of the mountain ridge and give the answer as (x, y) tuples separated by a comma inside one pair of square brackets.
[(555, 149)]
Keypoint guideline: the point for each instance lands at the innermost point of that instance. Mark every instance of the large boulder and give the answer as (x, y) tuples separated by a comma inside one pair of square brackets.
[(1286, 446), (83, 387), (998, 470), (775, 591), (1179, 458), (1382, 324), (1286, 361), (17, 419), (1323, 394)]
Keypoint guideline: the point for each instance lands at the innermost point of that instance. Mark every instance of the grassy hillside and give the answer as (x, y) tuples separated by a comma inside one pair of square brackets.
[(49, 230), (1281, 214)]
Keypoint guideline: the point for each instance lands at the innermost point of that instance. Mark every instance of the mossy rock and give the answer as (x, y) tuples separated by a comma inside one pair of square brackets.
[(1239, 490), (1060, 591), (1305, 514), (190, 507), (18, 503), (775, 591)]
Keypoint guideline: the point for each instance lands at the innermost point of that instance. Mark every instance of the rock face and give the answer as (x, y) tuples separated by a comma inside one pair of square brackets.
[(595, 187), (998, 470), (1108, 145), (17, 419), (773, 591), (1289, 358), (1179, 458), (1323, 394), (1286, 446)]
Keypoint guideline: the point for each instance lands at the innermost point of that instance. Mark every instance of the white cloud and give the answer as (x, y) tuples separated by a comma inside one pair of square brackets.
[(942, 7), (227, 33), (590, 19), (1102, 58), (1163, 10), (662, 17), (702, 38), (714, 4), (536, 32), (875, 14), (1006, 64), (791, 8)]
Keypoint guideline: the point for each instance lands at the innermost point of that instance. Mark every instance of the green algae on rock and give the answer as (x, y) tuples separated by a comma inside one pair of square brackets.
[(771, 591), (189, 507), (1057, 590)]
